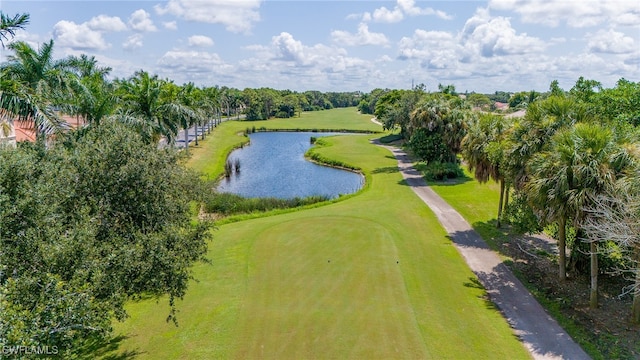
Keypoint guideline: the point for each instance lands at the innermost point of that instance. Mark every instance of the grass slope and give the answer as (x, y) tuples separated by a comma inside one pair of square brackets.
[(373, 276)]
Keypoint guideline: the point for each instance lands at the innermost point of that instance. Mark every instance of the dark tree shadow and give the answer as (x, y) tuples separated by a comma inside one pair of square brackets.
[(450, 182), (106, 349), (390, 138)]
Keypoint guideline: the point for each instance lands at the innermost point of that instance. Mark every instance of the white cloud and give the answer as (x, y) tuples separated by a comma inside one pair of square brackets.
[(170, 25), (582, 13), (610, 41), (486, 50), (387, 16), (494, 36), (362, 37), (409, 7), (288, 63), (78, 36), (199, 67), (106, 23), (140, 20), (133, 42), (289, 49), (88, 35), (434, 49), (237, 16), (403, 7), (200, 41)]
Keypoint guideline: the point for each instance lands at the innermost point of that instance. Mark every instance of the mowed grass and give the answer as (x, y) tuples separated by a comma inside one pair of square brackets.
[(476, 202), (370, 277)]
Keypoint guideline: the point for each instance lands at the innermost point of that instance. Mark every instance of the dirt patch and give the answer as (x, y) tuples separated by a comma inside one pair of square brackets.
[(608, 327)]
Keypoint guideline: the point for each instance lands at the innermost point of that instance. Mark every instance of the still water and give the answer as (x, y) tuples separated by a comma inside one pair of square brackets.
[(274, 166)]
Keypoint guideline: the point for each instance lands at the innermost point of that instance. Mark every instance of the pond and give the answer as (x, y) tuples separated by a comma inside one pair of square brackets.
[(273, 165)]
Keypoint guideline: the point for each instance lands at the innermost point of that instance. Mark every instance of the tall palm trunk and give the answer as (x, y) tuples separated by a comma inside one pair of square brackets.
[(186, 138), (635, 309), (562, 248), (593, 293), (502, 189), (196, 128)]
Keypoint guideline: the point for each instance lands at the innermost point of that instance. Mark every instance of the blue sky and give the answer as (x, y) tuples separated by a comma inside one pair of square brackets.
[(331, 45)]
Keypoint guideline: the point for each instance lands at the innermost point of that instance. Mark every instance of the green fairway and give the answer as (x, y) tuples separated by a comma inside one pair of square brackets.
[(371, 277)]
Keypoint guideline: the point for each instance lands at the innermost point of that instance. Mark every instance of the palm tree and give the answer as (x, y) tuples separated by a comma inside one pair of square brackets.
[(483, 149), (8, 26), (531, 134), (94, 100), (33, 85), (581, 162), (151, 105)]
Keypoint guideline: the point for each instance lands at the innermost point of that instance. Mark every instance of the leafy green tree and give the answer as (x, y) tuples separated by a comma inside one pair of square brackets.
[(523, 99), (555, 89), (499, 96), (317, 101), (368, 101), (441, 119), (85, 225), (288, 106), (479, 100), (254, 105), (395, 107), (447, 89), (619, 105), (585, 89)]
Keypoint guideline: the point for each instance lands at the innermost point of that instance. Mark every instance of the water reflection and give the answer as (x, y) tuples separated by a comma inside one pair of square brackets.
[(274, 166)]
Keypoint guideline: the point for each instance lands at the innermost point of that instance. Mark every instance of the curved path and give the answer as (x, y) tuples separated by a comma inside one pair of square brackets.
[(539, 332)]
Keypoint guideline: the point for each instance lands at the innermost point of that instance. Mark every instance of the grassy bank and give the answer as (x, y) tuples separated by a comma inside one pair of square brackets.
[(373, 276)]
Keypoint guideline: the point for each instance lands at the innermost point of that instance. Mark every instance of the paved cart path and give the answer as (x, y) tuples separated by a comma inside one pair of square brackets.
[(539, 332)]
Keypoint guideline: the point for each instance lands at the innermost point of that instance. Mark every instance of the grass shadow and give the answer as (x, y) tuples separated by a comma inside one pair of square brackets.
[(105, 349)]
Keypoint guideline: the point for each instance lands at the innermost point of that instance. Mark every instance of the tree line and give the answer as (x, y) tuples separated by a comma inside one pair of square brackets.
[(571, 163)]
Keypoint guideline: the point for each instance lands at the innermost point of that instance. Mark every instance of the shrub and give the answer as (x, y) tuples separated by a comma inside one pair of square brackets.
[(519, 214), (436, 170), (429, 146)]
